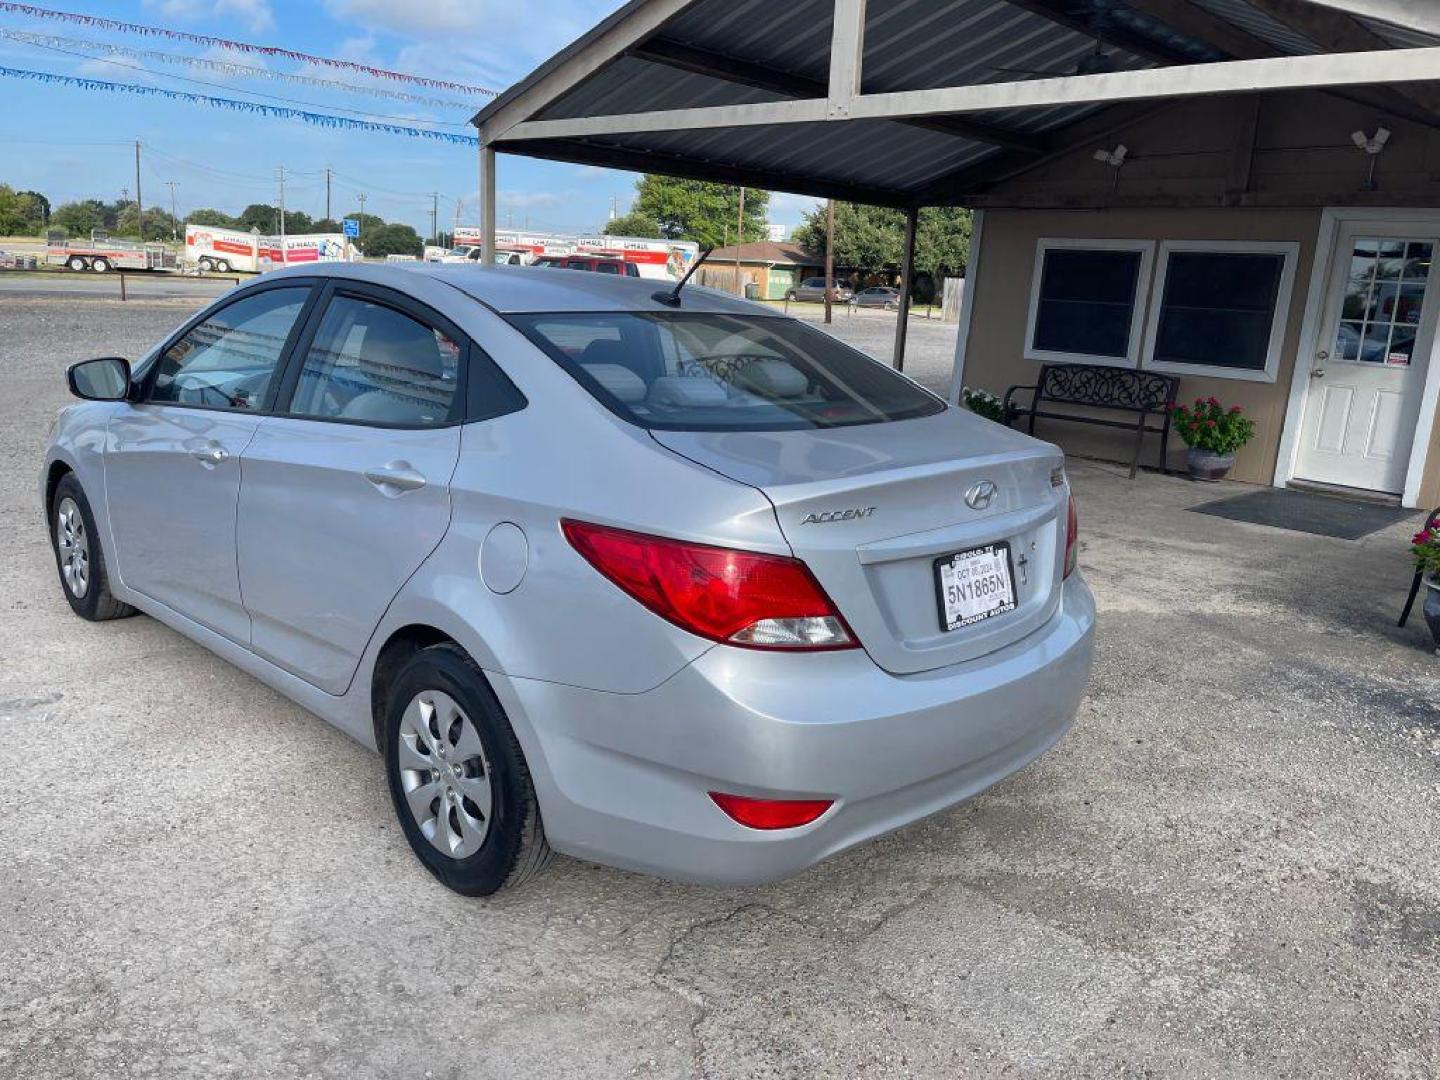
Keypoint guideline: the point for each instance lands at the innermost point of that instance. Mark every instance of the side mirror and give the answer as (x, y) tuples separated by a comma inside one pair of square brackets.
[(105, 379)]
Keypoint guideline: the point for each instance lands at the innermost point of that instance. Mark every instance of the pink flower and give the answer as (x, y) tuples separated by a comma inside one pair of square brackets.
[(1215, 402), (1234, 409), (1422, 537), (1211, 424)]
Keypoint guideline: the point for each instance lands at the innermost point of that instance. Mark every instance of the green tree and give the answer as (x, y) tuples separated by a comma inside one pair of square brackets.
[(368, 222), (700, 211), (77, 219), (394, 239), (325, 225), (43, 203), (159, 225), (22, 213), (215, 219), (873, 237), (634, 224)]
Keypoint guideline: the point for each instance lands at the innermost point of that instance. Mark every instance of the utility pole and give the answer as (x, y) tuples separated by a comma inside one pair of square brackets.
[(139, 203), (360, 223), (829, 254), (434, 213), (327, 192), (281, 173), (739, 243), (174, 234)]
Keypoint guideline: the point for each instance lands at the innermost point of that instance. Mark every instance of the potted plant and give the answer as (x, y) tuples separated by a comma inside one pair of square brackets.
[(1213, 433), (983, 403), (1425, 547)]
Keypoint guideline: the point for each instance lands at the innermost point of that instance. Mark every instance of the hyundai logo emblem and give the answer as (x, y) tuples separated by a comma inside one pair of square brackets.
[(981, 495)]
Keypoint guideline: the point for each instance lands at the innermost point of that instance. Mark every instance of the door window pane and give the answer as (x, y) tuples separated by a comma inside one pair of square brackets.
[(1087, 302), (1383, 300), (228, 360), (1217, 309), (369, 362)]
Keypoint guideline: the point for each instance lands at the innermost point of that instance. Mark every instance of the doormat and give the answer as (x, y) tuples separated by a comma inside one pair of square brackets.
[(1300, 511)]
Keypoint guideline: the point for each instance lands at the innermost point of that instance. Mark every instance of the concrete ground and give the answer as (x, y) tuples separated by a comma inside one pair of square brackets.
[(1226, 870)]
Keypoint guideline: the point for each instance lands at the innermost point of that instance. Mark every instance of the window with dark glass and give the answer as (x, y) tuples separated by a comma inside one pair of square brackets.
[(228, 360), (1217, 309), (370, 362), (1086, 303)]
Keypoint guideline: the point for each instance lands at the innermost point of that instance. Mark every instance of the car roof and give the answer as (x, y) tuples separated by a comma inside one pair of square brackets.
[(536, 288)]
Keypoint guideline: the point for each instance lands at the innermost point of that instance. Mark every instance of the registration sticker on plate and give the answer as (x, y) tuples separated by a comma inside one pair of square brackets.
[(975, 585)]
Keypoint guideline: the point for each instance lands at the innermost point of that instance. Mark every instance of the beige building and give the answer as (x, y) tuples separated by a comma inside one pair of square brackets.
[(772, 267), (1246, 246)]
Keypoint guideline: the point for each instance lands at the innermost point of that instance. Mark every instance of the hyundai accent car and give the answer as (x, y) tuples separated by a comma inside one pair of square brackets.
[(657, 579)]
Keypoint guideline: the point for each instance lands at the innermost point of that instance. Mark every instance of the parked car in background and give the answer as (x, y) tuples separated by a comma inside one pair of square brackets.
[(813, 289), (878, 296), (473, 253), (668, 582), (599, 264)]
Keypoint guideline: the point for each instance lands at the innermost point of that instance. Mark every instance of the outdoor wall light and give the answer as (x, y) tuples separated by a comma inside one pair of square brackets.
[(1372, 145), (1115, 158)]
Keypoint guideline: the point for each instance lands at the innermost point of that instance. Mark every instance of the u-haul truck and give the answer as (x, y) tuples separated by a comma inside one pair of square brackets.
[(667, 259), (213, 248)]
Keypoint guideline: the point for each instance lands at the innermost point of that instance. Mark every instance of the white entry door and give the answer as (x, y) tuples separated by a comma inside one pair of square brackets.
[(1369, 373)]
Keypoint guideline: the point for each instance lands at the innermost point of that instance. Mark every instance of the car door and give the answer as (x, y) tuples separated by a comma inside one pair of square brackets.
[(346, 487), (172, 459)]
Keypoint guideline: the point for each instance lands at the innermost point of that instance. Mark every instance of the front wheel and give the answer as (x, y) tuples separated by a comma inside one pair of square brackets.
[(78, 555), (790, 295), (206, 266), (458, 777), (76, 263)]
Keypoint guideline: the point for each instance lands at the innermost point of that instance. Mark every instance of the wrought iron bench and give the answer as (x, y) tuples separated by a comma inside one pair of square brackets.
[(1094, 386)]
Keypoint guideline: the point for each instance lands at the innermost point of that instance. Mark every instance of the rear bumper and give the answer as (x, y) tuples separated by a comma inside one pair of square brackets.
[(622, 778)]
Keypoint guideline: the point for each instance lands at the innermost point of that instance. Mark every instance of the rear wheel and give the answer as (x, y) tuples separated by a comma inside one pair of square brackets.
[(223, 266), (100, 265), (206, 266), (78, 556), (75, 262), (458, 778)]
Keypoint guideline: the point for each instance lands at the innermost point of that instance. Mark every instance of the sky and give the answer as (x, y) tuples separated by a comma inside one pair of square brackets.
[(71, 143)]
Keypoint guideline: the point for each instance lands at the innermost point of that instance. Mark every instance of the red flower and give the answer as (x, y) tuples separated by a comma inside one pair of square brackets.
[(1211, 424), (1422, 537), (1199, 401), (1215, 401), (1234, 409)]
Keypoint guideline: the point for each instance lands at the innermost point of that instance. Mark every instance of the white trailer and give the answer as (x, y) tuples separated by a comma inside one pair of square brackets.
[(223, 250), (100, 254)]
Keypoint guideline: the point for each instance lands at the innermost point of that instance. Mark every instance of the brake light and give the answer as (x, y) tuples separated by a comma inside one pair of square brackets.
[(771, 813), (1072, 539), (736, 597)]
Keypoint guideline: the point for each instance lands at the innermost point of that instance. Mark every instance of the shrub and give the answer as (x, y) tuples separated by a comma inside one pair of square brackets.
[(1208, 425), (983, 403)]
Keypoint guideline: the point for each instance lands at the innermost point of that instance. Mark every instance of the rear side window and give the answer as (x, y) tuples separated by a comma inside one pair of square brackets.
[(227, 361), (371, 363), (710, 372)]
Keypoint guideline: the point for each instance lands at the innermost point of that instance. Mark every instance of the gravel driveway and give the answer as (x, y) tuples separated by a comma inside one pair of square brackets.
[(1227, 870)]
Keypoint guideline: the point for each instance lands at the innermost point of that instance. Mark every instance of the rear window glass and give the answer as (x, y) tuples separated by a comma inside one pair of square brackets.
[(710, 372)]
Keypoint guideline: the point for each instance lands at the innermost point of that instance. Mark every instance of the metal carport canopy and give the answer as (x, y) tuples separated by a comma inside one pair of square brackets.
[(908, 103)]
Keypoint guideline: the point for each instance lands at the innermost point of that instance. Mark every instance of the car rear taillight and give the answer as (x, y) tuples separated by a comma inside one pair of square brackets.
[(1072, 539), (736, 597), (771, 813)]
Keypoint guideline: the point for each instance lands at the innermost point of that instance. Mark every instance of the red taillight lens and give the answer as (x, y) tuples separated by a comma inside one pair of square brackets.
[(771, 813), (1072, 539), (738, 597)]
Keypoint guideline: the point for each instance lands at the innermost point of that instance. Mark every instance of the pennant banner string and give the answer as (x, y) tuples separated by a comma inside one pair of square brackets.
[(228, 67), (101, 23), (284, 112)]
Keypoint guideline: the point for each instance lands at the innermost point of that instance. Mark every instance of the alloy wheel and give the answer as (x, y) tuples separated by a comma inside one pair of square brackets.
[(74, 545), (445, 774)]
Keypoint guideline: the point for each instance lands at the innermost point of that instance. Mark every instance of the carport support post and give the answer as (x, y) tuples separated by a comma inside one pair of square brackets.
[(487, 205), (907, 275)]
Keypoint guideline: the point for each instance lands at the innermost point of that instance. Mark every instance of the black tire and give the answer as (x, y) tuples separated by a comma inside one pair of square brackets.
[(514, 847), (75, 262), (790, 295), (100, 266), (95, 602), (206, 265), (222, 267)]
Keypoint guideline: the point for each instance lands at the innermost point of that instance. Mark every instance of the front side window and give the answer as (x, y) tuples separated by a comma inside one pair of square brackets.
[(1086, 301), (228, 361), (1220, 308), (711, 372), (371, 363)]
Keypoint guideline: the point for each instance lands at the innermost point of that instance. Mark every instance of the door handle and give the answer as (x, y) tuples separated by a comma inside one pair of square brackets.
[(211, 454), (395, 478), (1317, 373)]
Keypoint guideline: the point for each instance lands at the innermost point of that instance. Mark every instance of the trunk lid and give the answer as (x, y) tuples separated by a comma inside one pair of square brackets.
[(871, 508)]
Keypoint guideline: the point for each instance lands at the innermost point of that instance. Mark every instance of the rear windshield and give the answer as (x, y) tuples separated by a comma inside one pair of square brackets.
[(706, 372)]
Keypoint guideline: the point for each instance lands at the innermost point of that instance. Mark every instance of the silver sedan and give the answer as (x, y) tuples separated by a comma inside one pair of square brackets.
[(878, 296), (658, 579)]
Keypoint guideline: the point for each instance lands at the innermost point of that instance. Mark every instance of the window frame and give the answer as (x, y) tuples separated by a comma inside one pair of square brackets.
[(463, 410), (141, 393), (1280, 321), (1043, 246)]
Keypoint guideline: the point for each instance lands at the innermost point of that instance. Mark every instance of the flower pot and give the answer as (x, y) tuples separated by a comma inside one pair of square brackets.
[(1206, 465), (1432, 609)]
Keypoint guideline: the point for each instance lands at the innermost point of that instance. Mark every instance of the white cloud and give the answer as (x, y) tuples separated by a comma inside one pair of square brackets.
[(254, 14), (530, 200)]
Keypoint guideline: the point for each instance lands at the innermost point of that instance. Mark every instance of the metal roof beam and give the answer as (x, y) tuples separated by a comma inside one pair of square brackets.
[(699, 61), (1179, 81), (1421, 15), (638, 160)]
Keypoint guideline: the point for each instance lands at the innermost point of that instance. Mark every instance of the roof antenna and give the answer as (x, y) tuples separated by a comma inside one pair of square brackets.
[(672, 298)]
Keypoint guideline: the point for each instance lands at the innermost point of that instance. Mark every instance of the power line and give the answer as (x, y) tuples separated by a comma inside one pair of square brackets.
[(116, 25)]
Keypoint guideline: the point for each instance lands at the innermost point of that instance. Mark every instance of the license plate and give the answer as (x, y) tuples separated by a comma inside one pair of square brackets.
[(974, 585)]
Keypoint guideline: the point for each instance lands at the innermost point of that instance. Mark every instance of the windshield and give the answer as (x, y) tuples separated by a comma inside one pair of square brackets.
[(709, 372)]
